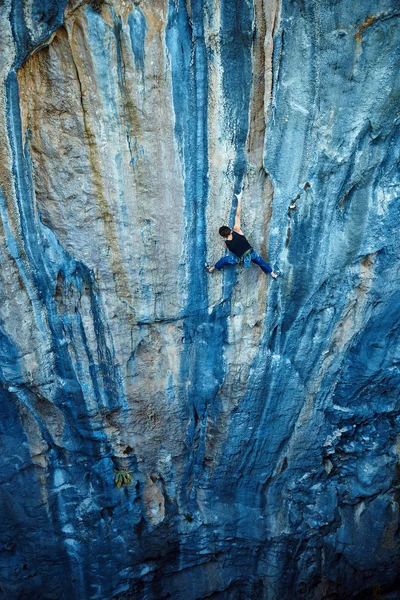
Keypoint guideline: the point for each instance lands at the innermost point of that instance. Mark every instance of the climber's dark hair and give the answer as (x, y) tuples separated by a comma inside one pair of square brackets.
[(224, 231)]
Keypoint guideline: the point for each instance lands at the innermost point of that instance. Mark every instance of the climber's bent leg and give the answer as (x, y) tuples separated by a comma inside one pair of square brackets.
[(225, 261), (256, 258)]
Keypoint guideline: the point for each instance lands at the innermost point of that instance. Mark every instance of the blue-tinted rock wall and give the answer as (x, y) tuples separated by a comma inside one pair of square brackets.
[(258, 419)]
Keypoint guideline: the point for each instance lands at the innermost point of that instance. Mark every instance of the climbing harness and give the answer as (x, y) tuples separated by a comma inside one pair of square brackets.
[(245, 259)]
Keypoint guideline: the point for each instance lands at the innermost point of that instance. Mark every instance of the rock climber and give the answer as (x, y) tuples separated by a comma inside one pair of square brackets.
[(240, 248)]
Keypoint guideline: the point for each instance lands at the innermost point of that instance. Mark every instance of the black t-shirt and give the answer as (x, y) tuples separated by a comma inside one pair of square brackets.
[(238, 244)]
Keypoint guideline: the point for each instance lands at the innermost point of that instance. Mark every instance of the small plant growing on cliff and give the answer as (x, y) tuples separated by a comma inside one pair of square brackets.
[(122, 477), (377, 592), (97, 5), (188, 517)]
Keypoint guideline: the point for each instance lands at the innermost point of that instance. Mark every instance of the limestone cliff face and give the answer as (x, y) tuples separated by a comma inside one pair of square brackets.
[(259, 419)]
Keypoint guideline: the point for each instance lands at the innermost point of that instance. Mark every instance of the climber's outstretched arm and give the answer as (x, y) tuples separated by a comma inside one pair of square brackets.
[(236, 226)]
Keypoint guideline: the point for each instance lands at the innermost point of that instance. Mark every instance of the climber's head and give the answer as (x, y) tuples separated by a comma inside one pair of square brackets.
[(224, 231)]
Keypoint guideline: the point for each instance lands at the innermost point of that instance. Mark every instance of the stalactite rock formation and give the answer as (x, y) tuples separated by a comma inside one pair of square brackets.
[(256, 422)]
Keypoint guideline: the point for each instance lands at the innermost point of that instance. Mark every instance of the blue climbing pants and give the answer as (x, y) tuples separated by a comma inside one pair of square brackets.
[(231, 259)]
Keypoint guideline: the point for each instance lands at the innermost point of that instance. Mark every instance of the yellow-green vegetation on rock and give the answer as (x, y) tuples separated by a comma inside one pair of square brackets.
[(122, 477), (377, 592)]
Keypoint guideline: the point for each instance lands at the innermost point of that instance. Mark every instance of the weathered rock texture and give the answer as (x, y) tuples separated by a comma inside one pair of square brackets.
[(259, 419)]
